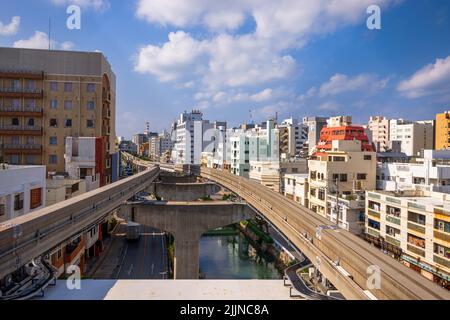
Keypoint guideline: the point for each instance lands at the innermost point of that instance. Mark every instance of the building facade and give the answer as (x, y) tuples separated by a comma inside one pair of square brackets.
[(412, 136), (315, 126), (379, 126), (442, 141), (66, 94), (415, 226), (22, 190)]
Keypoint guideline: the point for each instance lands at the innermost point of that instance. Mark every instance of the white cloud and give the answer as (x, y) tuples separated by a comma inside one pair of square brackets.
[(99, 5), (341, 83), (40, 41), (11, 28), (329, 106), (264, 95), (67, 45), (225, 59), (172, 59), (431, 79)]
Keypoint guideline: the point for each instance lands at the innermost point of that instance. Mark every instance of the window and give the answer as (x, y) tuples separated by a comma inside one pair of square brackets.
[(392, 231), (31, 85), (367, 157), (68, 87), (68, 123), (16, 103), (343, 177), (393, 211), (321, 194), (91, 105), (16, 84), (361, 176), (68, 104), (373, 224), (53, 104), (15, 159), (15, 141), (35, 198), (440, 250), (53, 123), (53, 159), (18, 202), (53, 141), (31, 122), (91, 87), (53, 86), (335, 177), (339, 159), (90, 123), (15, 122), (416, 218), (313, 192), (31, 104), (374, 205), (417, 241), (30, 159), (442, 225)]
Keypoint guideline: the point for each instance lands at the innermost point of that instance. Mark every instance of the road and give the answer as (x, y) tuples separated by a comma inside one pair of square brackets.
[(146, 258)]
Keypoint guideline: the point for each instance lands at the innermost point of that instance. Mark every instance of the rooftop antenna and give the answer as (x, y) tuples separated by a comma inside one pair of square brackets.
[(49, 33)]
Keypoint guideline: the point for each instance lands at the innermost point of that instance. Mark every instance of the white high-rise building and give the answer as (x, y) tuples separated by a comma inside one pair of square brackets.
[(192, 136), (293, 138), (379, 127), (412, 136)]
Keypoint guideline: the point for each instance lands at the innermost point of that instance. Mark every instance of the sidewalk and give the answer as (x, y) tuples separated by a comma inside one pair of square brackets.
[(110, 258)]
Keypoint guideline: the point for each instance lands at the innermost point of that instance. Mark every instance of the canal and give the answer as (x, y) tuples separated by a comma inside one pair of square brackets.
[(233, 257)]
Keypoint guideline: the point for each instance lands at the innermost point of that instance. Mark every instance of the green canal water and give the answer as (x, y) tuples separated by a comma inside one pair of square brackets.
[(233, 257)]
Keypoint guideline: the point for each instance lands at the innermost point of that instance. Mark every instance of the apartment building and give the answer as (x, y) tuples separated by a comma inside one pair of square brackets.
[(238, 152), (341, 128), (46, 96), (414, 226), (379, 127), (60, 188), (22, 190), (343, 173), (297, 188), (83, 160), (193, 136), (159, 145), (412, 136), (293, 138), (430, 172), (315, 126), (442, 132)]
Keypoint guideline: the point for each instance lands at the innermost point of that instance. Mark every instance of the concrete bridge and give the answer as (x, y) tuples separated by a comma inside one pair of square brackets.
[(331, 250), (187, 222), (183, 191)]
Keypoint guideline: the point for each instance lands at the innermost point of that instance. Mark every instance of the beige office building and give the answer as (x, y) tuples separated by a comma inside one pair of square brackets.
[(47, 96)]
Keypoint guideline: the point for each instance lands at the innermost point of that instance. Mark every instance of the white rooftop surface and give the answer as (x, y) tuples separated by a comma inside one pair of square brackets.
[(170, 290)]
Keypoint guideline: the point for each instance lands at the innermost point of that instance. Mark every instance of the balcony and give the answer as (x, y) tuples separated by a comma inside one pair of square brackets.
[(416, 250), (393, 219), (442, 261), (20, 130), (21, 93), (22, 148), (73, 250), (373, 213), (21, 111), (415, 227), (106, 113), (441, 235), (21, 74)]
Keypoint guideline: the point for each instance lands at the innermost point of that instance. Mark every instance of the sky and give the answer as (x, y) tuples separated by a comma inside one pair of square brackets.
[(244, 60)]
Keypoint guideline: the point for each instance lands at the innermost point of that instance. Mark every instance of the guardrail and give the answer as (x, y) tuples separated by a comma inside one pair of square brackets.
[(29, 236)]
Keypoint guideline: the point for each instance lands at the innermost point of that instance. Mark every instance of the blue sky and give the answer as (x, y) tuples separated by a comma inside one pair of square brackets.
[(294, 57)]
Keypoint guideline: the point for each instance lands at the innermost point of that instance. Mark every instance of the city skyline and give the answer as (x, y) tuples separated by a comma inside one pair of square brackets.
[(310, 59)]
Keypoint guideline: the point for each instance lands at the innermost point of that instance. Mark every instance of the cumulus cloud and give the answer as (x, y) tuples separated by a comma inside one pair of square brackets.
[(264, 95), (229, 58), (99, 5), (11, 28), (341, 83), (40, 40), (430, 80)]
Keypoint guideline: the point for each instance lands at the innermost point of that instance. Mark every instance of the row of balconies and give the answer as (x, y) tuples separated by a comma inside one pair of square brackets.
[(20, 111), (20, 130), (22, 148), (21, 92)]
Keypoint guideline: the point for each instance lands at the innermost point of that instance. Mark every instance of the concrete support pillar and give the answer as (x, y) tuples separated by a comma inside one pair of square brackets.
[(186, 256)]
